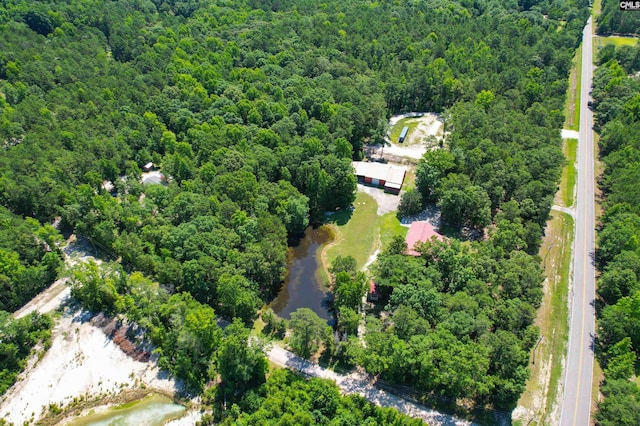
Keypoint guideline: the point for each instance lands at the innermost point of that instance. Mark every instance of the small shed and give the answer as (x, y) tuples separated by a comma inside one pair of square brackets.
[(420, 231), (381, 175), (403, 134), (148, 167), (372, 294)]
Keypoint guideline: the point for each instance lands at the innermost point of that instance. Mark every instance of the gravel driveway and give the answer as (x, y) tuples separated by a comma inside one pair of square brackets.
[(386, 202)]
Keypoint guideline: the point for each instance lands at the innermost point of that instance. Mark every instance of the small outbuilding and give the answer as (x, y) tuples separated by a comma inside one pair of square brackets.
[(420, 231), (381, 175), (403, 134), (372, 294), (148, 167)]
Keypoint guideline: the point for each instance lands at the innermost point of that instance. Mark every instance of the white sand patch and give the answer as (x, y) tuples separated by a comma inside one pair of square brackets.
[(371, 259), (189, 419), (82, 360), (48, 300), (569, 134)]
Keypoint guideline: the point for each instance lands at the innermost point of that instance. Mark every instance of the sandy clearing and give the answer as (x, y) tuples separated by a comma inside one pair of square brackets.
[(48, 300), (429, 124), (569, 134), (154, 177), (189, 419), (82, 361)]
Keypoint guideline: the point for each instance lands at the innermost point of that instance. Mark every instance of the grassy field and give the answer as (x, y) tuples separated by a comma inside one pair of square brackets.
[(359, 233), (409, 178), (388, 227), (569, 172), (596, 8), (618, 41), (572, 106), (541, 393)]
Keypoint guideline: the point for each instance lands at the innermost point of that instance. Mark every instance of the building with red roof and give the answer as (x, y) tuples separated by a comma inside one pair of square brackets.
[(420, 231), (373, 292)]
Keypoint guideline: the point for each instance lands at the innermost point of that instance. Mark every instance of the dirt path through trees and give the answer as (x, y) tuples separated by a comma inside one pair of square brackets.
[(362, 385)]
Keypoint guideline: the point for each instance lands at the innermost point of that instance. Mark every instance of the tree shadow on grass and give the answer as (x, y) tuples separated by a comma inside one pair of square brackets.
[(339, 217)]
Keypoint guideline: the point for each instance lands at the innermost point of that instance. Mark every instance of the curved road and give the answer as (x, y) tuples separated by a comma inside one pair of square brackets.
[(576, 400), (362, 385)]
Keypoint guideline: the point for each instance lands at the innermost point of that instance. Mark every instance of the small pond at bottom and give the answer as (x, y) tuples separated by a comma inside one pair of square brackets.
[(154, 410), (302, 286)]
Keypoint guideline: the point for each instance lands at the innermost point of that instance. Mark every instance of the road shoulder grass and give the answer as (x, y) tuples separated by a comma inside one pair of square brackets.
[(538, 404), (572, 105), (569, 172)]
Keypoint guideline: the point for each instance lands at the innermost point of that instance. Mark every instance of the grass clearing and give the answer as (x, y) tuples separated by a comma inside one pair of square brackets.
[(359, 233), (569, 172), (596, 8), (617, 41), (536, 405), (409, 178), (572, 105), (258, 325), (354, 231), (411, 122), (389, 226)]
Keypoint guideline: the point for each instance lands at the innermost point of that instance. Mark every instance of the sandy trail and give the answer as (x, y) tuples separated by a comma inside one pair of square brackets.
[(47, 301), (361, 384)]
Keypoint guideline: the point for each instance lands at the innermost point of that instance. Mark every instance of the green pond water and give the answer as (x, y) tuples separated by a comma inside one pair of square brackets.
[(153, 410)]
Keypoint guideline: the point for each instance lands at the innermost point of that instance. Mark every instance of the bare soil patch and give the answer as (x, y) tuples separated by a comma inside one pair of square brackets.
[(426, 131), (82, 363)]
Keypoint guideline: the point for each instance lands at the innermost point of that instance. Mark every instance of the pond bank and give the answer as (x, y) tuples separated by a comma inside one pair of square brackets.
[(153, 409)]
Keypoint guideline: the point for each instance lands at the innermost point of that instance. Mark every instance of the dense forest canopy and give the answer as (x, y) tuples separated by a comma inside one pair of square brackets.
[(614, 20), (253, 111), (289, 399), (17, 338), (616, 93), (255, 114)]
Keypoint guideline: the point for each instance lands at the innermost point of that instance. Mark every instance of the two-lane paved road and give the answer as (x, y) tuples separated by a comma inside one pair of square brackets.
[(576, 401)]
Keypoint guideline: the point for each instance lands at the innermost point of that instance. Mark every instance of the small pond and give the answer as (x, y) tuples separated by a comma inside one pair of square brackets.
[(302, 286), (153, 410)]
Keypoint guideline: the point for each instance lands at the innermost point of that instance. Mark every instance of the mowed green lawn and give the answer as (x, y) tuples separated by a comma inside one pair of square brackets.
[(615, 40), (360, 232)]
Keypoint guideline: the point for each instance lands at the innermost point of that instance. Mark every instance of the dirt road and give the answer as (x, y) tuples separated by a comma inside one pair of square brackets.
[(360, 384)]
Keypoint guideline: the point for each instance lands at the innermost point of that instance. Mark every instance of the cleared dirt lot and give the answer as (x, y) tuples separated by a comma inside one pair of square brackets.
[(425, 130), (81, 362)]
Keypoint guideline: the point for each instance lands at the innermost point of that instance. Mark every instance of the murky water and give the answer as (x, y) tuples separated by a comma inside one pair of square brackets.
[(153, 410), (302, 285)]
